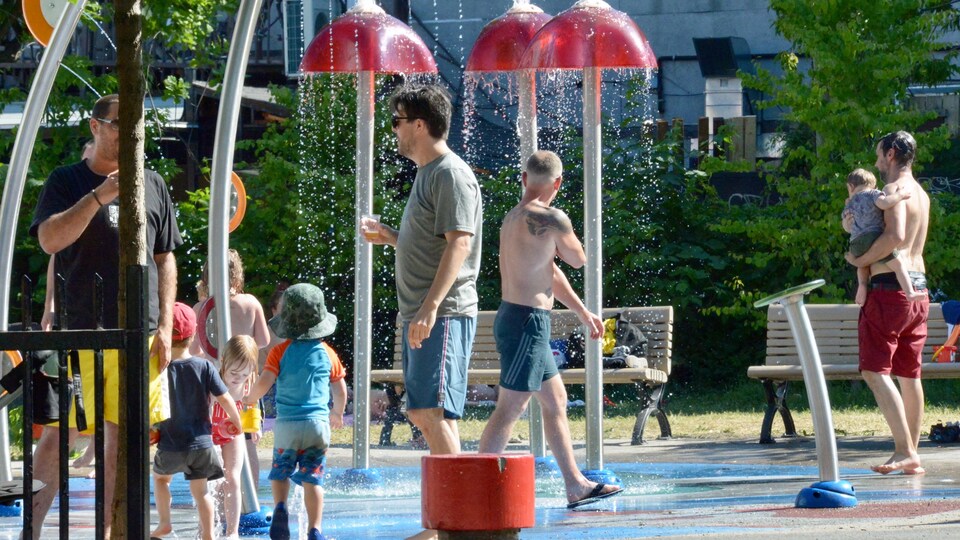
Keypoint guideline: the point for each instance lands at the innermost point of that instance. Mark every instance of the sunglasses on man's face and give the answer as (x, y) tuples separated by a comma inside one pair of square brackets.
[(112, 124), (395, 121)]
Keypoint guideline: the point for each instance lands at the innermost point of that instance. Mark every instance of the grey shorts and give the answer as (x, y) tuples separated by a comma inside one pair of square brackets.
[(523, 341), (435, 375), (203, 463), (862, 243), (300, 450)]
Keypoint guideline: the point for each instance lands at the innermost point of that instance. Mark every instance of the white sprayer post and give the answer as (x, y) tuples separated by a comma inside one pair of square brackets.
[(593, 246), (17, 177), (220, 186), (816, 386), (363, 284)]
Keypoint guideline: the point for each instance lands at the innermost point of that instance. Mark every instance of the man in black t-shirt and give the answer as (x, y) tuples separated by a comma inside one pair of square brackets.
[(77, 219)]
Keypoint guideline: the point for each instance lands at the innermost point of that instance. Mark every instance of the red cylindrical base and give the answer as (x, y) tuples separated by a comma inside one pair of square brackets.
[(478, 492)]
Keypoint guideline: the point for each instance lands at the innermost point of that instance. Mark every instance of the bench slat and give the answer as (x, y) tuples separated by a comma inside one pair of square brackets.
[(837, 312), (835, 330), (655, 322), (849, 332), (929, 370)]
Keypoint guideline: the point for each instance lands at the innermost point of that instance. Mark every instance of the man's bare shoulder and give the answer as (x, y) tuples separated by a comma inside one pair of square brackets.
[(540, 220)]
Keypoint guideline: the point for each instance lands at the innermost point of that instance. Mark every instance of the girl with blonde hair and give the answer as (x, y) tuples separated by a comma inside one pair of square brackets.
[(238, 370)]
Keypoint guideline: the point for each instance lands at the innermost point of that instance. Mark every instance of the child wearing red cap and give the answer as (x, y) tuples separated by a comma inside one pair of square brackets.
[(185, 442)]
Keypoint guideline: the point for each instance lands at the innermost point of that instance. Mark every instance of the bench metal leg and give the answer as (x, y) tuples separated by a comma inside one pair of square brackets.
[(653, 404), (393, 416), (537, 446), (776, 402)]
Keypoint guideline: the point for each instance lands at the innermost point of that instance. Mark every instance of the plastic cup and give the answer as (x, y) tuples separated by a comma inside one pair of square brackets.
[(226, 429), (369, 227)]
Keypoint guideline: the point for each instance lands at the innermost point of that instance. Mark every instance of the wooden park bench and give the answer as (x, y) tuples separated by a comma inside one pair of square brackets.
[(835, 331), (656, 323)]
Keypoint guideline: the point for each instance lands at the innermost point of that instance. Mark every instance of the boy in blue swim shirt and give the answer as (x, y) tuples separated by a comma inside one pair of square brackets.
[(301, 371)]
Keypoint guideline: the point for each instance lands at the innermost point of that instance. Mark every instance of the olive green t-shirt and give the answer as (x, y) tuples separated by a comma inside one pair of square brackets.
[(445, 197)]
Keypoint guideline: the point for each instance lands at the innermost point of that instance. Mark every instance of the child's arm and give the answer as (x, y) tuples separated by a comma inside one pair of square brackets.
[(230, 407), (847, 221), (887, 201), (263, 384), (339, 391)]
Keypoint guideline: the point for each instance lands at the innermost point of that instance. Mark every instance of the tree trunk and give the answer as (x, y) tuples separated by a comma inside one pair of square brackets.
[(128, 21)]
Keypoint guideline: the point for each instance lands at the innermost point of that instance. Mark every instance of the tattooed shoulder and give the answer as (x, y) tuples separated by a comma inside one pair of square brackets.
[(540, 223)]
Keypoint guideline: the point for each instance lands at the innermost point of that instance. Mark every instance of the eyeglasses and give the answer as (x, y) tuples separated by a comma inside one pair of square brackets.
[(395, 121), (112, 124)]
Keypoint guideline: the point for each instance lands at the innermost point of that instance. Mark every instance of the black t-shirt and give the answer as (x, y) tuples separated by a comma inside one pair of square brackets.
[(97, 250), (192, 382)]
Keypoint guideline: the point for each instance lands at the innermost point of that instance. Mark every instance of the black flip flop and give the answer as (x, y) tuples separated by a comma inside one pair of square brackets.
[(594, 496)]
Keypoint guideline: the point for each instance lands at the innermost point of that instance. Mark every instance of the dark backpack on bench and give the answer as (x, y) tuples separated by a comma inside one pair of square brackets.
[(629, 335)]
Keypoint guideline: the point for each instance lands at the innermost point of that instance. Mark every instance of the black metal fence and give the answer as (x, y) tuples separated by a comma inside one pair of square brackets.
[(133, 488)]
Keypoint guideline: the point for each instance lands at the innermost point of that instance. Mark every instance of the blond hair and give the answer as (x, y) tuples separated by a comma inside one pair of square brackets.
[(862, 177), (241, 352), (543, 166)]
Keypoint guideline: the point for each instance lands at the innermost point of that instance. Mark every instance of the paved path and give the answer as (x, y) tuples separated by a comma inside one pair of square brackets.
[(679, 488)]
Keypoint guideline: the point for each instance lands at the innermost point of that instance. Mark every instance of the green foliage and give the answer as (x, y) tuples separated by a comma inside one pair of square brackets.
[(299, 224), (182, 26), (862, 58), (186, 28), (660, 246), (15, 419)]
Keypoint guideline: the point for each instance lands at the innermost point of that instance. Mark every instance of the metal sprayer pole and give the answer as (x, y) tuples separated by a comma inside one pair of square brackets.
[(816, 385), (220, 185), (363, 285), (593, 246), (17, 177), (527, 130)]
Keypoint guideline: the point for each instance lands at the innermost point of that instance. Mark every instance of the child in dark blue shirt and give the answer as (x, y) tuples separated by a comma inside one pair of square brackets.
[(186, 444)]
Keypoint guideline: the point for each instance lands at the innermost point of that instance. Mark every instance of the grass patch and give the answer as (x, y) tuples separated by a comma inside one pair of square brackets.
[(735, 413)]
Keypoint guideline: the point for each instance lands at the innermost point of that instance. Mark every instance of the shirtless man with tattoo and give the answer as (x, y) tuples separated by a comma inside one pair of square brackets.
[(533, 234)]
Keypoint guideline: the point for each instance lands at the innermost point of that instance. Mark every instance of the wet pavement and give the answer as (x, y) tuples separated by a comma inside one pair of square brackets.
[(678, 488)]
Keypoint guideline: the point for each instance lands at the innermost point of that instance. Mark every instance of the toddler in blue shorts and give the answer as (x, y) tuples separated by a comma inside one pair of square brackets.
[(302, 428)]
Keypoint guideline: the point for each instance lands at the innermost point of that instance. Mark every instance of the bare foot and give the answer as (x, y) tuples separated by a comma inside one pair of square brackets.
[(906, 465), (915, 296), (161, 531), (428, 534)]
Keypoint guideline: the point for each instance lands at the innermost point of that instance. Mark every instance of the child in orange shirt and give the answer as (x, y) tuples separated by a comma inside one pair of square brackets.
[(306, 372)]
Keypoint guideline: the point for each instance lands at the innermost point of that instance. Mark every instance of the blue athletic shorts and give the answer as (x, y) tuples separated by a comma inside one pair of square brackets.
[(300, 450), (435, 375), (523, 341)]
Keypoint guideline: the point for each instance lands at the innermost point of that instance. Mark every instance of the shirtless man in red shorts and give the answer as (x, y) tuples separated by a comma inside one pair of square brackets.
[(893, 329)]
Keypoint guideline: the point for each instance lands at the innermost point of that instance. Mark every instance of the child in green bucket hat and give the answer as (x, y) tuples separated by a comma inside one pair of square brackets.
[(306, 374)]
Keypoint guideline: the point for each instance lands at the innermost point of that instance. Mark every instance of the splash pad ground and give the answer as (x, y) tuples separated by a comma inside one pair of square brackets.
[(676, 488)]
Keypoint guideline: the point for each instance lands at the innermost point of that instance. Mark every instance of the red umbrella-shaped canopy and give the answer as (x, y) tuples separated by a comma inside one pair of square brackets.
[(367, 39), (502, 41), (589, 34)]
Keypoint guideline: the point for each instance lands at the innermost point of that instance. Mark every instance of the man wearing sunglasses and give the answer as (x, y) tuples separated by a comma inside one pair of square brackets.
[(77, 219), (438, 259)]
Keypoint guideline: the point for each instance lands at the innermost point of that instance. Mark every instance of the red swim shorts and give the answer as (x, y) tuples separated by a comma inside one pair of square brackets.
[(892, 331)]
